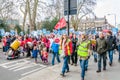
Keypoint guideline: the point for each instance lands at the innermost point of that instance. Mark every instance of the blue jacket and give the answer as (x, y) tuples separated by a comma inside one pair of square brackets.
[(55, 47)]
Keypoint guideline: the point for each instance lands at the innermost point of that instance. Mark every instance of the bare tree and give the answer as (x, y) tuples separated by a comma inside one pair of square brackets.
[(84, 8), (6, 9), (24, 10), (32, 10), (55, 8)]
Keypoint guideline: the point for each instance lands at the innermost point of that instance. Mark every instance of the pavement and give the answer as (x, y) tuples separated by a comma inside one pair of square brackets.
[(53, 72)]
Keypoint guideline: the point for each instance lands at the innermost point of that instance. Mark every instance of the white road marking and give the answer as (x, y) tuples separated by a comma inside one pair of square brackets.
[(26, 66), (19, 65), (22, 64), (13, 61), (32, 71)]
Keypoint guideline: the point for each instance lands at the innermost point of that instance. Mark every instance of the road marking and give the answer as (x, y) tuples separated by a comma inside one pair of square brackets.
[(18, 66), (32, 71), (28, 66), (14, 61), (23, 64)]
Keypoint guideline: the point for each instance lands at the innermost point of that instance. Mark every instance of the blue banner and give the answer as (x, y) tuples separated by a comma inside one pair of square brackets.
[(115, 31)]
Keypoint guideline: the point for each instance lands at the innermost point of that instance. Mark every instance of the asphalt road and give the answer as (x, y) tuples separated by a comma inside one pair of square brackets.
[(25, 67), (18, 68)]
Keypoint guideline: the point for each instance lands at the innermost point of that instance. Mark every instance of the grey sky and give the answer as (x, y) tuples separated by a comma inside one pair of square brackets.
[(105, 7)]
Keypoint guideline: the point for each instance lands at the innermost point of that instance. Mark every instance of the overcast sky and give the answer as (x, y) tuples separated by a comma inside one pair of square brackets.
[(105, 7)]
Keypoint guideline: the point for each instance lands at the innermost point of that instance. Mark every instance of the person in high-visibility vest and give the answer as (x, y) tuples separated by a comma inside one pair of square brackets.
[(83, 53), (66, 47)]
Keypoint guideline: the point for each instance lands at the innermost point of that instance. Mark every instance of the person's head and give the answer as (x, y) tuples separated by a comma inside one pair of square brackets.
[(109, 33), (64, 36), (101, 35), (84, 36), (4, 37), (93, 37), (71, 34), (119, 33), (74, 35)]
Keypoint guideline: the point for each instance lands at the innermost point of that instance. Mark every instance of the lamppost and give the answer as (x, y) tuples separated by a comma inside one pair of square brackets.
[(114, 18)]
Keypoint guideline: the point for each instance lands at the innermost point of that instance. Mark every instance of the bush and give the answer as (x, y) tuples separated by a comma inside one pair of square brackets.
[(50, 24), (4, 26), (17, 27)]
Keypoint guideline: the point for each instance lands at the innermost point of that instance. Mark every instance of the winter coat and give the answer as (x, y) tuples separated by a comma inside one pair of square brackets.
[(111, 42), (4, 42), (74, 43), (55, 47), (47, 43), (101, 45), (68, 47)]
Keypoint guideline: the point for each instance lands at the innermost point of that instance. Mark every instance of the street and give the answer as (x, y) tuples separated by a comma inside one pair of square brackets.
[(18, 68), (53, 39), (26, 69)]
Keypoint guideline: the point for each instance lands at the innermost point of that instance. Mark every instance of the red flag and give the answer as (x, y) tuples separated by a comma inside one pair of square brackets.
[(60, 24)]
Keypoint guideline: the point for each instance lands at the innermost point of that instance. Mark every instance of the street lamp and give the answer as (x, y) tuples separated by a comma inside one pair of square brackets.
[(114, 18)]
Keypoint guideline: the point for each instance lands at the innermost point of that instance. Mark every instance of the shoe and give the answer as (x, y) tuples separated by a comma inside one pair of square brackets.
[(71, 63), (98, 71), (23, 54), (62, 75), (95, 60), (86, 69), (104, 69), (67, 71), (82, 78), (110, 63), (75, 64)]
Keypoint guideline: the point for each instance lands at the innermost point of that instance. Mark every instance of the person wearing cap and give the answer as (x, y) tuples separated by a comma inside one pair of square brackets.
[(101, 48), (66, 47), (55, 49), (83, 53)]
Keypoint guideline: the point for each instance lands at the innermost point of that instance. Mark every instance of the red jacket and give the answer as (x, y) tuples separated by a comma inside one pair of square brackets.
[(68, 45), (22, 43), (47, 43), (44, 39), (28, 40), (44, 54), (34, 42), (4, 42)]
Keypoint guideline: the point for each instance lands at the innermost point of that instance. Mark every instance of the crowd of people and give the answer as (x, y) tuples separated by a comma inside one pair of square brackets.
[(71, 48)]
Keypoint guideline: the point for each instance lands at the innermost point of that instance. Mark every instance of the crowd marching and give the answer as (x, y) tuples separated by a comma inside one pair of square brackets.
[(71, 48)]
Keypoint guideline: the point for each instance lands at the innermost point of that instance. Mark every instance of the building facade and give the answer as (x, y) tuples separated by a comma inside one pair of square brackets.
[(94, 23)]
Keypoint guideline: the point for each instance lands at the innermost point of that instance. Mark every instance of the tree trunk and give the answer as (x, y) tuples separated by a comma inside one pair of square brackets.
[(29, 15), (25, 15), (34, 14)]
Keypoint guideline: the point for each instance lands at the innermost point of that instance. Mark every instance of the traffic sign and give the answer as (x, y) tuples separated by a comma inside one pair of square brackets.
[(72, 7)]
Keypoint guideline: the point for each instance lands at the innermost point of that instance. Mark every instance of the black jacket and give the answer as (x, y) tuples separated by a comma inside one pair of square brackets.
[(111, 42)]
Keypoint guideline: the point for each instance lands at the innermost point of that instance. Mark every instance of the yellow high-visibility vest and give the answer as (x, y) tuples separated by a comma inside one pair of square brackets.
[(83, 50)]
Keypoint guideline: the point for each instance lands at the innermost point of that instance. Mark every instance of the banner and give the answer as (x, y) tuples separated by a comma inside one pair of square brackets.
[(60, 24), (115, 31)]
